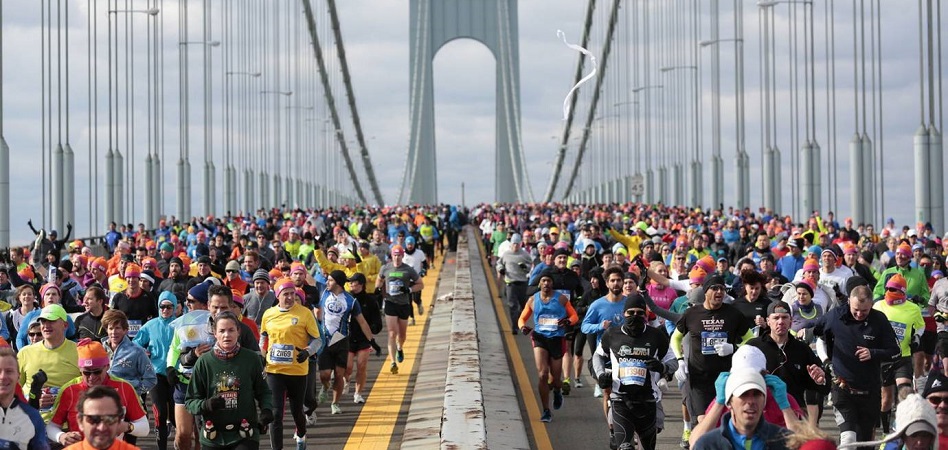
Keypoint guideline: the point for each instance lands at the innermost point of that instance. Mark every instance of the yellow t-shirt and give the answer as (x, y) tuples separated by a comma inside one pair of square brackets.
[(286, 332), (61, 365), (905, 318)]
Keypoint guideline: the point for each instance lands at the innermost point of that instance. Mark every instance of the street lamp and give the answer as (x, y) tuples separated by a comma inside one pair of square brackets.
[(249, 74)]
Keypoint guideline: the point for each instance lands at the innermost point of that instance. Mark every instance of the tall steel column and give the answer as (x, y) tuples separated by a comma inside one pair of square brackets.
[(4, 159), (493, 23)]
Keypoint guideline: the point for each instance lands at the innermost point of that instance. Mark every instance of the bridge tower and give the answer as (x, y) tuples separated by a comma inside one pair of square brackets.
[(493, 23)]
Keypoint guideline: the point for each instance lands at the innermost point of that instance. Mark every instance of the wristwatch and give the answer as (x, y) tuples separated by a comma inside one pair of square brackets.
[(131, 428)]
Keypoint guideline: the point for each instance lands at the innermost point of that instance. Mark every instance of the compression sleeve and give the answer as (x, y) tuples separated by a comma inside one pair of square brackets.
[(676, 343), (526, 313), (658, 310), (747, 336), (570, 313)]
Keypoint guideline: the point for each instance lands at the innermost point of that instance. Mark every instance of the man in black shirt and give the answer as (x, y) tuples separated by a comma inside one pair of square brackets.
[(753, 304), (791, 359), (89, 323), (716, 328), (858, 340), (137, 304)]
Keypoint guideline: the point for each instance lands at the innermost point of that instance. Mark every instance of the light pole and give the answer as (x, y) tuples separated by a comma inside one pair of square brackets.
[(230, 185), (275, 192), (184, 163), (694, 166), (717, 161), (4, 161), (649, 175)]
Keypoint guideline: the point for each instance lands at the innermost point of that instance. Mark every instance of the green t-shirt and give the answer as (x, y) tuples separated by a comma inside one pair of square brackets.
[(497, 238)]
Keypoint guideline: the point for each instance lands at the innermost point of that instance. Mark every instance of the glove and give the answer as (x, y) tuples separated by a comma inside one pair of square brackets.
[(724, 348), (301, 354), (720, 388), (214, 403), (264, 420), (563, 323), (38, 380), (525, 330), (682, 373), (941, 317), (375, 346), (605, 380), (654, 365), (172, 374), (779, 389)]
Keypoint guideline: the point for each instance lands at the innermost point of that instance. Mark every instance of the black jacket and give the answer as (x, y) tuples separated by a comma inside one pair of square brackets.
[(790, 364)]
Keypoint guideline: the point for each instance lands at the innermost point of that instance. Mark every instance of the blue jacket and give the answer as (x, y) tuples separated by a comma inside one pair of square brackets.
[(766, 436), (155, 337), (789, 265), (130, 363)]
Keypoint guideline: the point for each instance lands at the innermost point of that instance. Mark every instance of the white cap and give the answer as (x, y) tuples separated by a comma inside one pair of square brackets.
[(914, 414), (912, 233), (749, 357), (743, 380)]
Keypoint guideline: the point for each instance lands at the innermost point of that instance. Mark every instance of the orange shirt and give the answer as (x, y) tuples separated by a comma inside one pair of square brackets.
[(118, 444)]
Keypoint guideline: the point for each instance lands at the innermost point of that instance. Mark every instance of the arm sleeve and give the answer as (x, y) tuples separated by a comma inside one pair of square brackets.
[(526, 313), (659, 311), (879, 291), (325, 263), (680, 285), (676, 343), (747, 336), (571, 312), (174, 352)]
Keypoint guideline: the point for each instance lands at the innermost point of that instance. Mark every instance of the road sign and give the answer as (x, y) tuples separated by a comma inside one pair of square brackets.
[(637, 187)]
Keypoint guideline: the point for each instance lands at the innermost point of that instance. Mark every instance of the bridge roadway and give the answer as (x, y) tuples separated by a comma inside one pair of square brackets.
[(408, 410)]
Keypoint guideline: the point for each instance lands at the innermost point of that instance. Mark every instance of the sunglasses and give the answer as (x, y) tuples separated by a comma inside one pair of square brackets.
[(90, 373), (937, 399), (37, 334), (230, 271), (165, 307), (108, 419), (716, 287)]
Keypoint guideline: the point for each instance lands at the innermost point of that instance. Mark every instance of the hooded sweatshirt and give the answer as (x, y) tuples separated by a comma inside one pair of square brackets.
[(155, 336)]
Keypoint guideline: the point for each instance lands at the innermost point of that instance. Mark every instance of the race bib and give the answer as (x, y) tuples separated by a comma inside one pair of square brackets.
[(632, 372), (282, 354), (51, 390), (709, 339), (899, 329), (133, 327), (547, 323), (395, 286)]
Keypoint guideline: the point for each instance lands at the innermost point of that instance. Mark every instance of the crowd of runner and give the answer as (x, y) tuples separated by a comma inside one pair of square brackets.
[(217, 324), (764, 324)]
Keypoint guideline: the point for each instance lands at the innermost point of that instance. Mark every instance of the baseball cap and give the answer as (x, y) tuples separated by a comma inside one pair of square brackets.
[(748, 357), (516, 239), (53, 312), (743, 380), (778, 308), (232, 265)]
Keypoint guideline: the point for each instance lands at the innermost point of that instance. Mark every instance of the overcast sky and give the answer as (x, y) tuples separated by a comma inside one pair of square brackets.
[(377, 45)]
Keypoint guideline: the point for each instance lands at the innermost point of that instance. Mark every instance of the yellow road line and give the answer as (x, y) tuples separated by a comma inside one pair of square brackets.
[(540, 436), (376, 423)]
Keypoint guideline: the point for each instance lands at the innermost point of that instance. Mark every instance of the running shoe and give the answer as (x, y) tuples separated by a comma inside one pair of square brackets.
[(557, 400), (300, 442), (685, 436), (566, 387), (613, 445), (597, 392), (663, 385), (394, 369), (399, 355), (421, 309), (411, 321), (323, 394), (578, 382), (311, 419), (547, 416), (346, 388), (357, 398), (336, 409)]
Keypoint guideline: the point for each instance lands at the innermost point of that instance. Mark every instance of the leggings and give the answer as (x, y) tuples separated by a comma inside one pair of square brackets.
[(629, 418), (292, 387), (312, 382), (163, 409)]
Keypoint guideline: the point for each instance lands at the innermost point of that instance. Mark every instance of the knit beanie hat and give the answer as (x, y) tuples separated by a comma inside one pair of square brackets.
[(261, 274), (811, 265), (91, 354), (46, 287), (133, 271), (297, 267), (697, 275), (706, 263), (199, 292), (904, 249), (895, 289)]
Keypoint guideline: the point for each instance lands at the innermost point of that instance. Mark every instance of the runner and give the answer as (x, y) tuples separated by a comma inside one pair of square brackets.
[(399, 280)]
